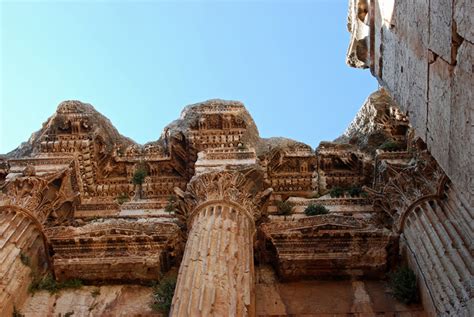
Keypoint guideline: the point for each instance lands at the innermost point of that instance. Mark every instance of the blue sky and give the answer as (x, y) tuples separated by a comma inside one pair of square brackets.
[(140, 62)]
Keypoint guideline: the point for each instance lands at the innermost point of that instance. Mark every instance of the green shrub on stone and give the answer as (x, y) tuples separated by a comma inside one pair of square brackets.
[(314, 210), (336, 192), (74, 283), (163, 294), (95, 292), (122, 198), (389, 145), (404, 285), (285, 208), (170, 207), (139, 176), (354, 191), (48, 283)]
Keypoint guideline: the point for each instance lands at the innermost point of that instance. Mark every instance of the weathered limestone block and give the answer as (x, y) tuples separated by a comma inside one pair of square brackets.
[(440, 19), (438, 123), (116, 300), (461, 149), (464, 18), (406, 79)]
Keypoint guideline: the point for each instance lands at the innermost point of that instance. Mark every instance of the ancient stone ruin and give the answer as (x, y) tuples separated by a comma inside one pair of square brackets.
[(254, 226)]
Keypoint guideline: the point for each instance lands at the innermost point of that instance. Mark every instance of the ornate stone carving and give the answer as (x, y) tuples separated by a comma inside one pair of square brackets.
[(44, 196), (118, 250), (327, 244), (244, 188), (404, 180)]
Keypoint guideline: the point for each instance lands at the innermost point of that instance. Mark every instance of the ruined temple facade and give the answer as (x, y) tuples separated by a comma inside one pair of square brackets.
[(397, 186)]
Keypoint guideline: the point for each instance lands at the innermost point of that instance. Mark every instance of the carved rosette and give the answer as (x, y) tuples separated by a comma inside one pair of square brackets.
[(216, 277)]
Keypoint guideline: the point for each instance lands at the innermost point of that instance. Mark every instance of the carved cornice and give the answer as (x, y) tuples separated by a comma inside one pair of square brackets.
[(340, 201), (323, 222), (113, 228)]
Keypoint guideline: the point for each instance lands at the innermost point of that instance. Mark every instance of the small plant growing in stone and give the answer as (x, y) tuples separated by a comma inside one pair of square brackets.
[(95, 292), (48, 283), (17, 313), (25, 259), (354, 191), (171, 203), (284, 208), (93, 306), (163, 294), (74, 283), (404, 285), (336, 192), (122, 198), (139, 176), (138, 179), (389, 145), (315, 210)]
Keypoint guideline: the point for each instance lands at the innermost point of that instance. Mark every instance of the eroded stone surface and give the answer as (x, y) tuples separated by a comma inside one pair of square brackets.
[(120, 300)]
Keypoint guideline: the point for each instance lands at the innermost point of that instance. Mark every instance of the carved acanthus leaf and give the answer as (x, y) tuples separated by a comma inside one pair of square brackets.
[(402, 185), (244, 188), (41, 195)]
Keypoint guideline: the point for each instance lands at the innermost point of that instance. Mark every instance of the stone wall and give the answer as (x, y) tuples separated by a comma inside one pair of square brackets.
[(422, 52)]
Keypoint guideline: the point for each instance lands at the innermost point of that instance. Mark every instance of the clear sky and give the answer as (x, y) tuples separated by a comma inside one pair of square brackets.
[(140, 62)]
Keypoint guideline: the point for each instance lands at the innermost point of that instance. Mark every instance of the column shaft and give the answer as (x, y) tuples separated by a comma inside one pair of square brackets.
[(216, 277)]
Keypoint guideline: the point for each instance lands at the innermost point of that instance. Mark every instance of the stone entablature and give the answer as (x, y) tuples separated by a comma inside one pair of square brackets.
[(115, 249), (328, 245)]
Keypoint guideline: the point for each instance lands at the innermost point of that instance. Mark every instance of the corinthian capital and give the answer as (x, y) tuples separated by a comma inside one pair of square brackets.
[(245, 189)]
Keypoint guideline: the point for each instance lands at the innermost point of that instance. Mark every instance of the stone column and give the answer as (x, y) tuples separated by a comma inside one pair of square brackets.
[(216, 277), (26, 203), (21, 250)]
